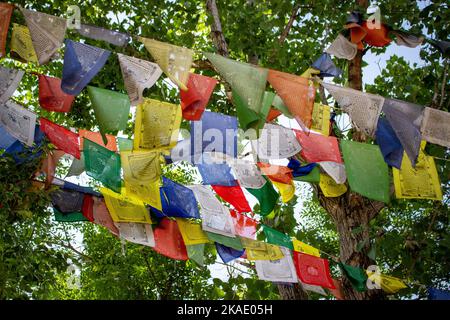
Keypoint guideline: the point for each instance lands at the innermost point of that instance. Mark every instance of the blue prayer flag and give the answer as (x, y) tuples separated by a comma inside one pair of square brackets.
[(389, 144), (228, 254)]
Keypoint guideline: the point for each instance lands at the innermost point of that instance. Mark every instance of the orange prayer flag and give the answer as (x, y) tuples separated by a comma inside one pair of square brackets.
[(97, 138), (276, 173)]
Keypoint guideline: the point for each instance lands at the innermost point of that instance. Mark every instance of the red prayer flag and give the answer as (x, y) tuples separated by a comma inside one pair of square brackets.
[(168, 240), (376, 37), (6, 10), (97, 138), (234, 196), (273, 114), (276, 173), (243, 225), (102, 216), (88, 207), (51, 97), (195, 99), (62, 138), (357, 34), (317, 147), (313, 270)]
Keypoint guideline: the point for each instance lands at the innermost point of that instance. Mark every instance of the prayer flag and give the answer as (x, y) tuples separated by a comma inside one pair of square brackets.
[(195, 99), (376, 37), (258, 250), (321, 119), (51, 97), (406, 39), (61, 137), (9, 81), (278, 238), (168, 240), (317, 148), (228, 254), (19, 122), (234, 196), (435, 127), (140, 233), (390, 146), (389, 284), (282, 270), (244, 226), (102, 216), (266, 196), (356, 276), (276, 173), (191, 232), (342, 48), (22, 45), (326, 66), (216, 174), (313, 270), (97, 138), (305, 248), (67, 200), (232, 242), (276, 142), (6, 9), (97, 33), (330, 188), (436, 294), (286, 190), (298, 170), (178, 200), (68, 217), (196, 252), (335, 170), (248, 174)]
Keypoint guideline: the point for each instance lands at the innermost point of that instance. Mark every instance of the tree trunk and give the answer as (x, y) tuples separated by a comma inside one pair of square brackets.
[(292, 292)]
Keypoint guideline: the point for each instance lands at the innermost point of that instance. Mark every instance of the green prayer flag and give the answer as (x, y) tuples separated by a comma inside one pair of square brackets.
[(196, 252), (278, 238), (125, 144), (280, 106), (234, 243), (250, 119), (355, 275), (367, 172), (68, 217), (267, 197), (313, 176), (247, 80), (77, 167), (102, 164)]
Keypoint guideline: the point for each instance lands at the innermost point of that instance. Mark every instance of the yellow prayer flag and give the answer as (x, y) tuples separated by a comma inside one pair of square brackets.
[(287, 191), (305, 248), (175, 61), (21, 43), (191, 232), (330, 188), (140, 166), (388, 284), (157, 125), (146, 192), (309, 73), (124, 208), (258, 250), (321, 119)]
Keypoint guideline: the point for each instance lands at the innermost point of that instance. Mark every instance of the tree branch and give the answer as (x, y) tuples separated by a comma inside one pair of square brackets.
[(216, 29), (286, 30)]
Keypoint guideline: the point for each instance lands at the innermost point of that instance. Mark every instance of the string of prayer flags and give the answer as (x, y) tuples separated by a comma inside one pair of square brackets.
[(286, 190), (169, 241), (196, 252), (313, 270), (22, 45), (232, 242), (326, 66), (317, 148), (51, 97), (356, 276), (300, 246), (97, 138), (215, 216), (140, 233), (297, 94), (102, 164), (342, 48), (405, 119), (390, 145), (276, 173), (234, 196), (278, 238), (363, 108), (266, 196), (18, 121), (282, 270), (68, 217), (195, 99), (137, 75), (436, 294), (173, 60), (178, 200), (9, 81), (102, 216), (421, 182), (298, 170), (367, 172), (435, 126), (191, 232), (330, 188), (124, 208), (406, 39), (157, 125), (258, 250), (97, 33), (376, 37), (6, 11), (228, 254), (244, 226), (276, 142), (81, 63), (47, 33), (67, 200), (248, 81), (248, 174), (321, 119), (389, 284), (218, 174), (335, 170)]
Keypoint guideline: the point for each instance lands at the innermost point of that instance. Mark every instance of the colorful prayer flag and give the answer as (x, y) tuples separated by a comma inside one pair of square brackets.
[(390, 146), (191, 232), (178, 200), (6, 10), (282, 270), (326, 66), (321, 119), (258, 250), (266, 196), (234, 196), (232, 242), (9, 81), (276, 142), (22, 45), (51, 97), (300, 246), (168, 240), (140, 233), (435, 128), (244, 226), (228, 254), (19, 122), (356, 276), (330, 188), (317, 148), (195, 99), (313, 270), (97, 33), (278, 238)]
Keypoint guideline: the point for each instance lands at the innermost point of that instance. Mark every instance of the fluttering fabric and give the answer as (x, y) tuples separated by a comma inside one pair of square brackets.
[(258, 250), (389, 284), (173, 60), (61, 137), (326, 66), (22, 45), (367, 172), (407, 39), (330, 188), (228, 254), (49, 165), (87, 208), (278, 238), (47, 33), (75, 187), (51, 97), (355, 275), (140, 233), (249, 119), (17, 150), (67, 200), (390, 145), (342, 48), (435, 126), (195, 99), (215, 132), (102, 164), (77, 167), (286, 190), (97, 138), (376, 37), (363, 108), (231, 242), (248, 81), (276, 142), (18, 122), (81, 63), (248, 174), (168, 240), (266, 196), (97, 33), (279, 105), (334, 170), (124, 144), (191, 232), (125, 208), (298, 170), (178, 200), (218, 174), (68, 217), (317, 148), (442, 46), (313, 270), (357, 34), (138, 75), (297, 94), (244, 226), (9, 81), (157, 125), (196, 252), (300, 246), (436, 294), (321, 119), (234, 196), (276, 173), (102, 216), (6, 10), (282, 270)]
